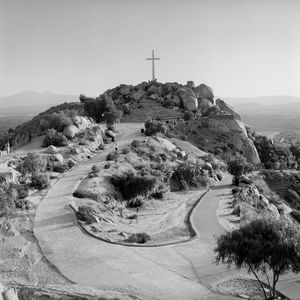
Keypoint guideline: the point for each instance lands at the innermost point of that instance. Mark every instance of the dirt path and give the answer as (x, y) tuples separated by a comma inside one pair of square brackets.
[(182, 271)]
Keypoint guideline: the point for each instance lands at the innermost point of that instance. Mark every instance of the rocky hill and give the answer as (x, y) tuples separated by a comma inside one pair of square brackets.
[(211, 123)]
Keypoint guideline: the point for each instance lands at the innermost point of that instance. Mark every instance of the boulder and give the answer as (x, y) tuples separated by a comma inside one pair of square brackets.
[(176, 100), (8, 174), (10, 294), (188, 98), (83, 122), (137, 95), (273, 209), (71, 131), (204, 92), (190, 84), (58, 157), (204, 104), (245, 179), (293, 196), (284, 209), (264, 200), (51, 149), (236, 130), (125, 90), (154, 96)]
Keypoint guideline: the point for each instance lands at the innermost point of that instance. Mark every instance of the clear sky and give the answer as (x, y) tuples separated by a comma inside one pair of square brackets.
[(238, 47)]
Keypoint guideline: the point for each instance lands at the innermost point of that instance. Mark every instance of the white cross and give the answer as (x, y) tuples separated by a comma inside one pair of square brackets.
[(153, 69)]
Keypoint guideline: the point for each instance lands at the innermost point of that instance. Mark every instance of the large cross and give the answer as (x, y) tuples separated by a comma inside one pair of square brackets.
[(153, 69)]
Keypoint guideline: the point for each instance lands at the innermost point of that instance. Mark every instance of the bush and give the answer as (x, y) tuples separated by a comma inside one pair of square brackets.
[(55, 138), (60, 168), (239, 166), (135, 202), (188, 116), (153, 127), (8, 197), (40, 181), (86, 214), (188, 174), (96, 169), (71, 163), (112, 155), (22, 190), (59, 121), (33, 164), (139, 238), (169, 103), (132, 217), (125, 150), (131, 186), (86, 194)]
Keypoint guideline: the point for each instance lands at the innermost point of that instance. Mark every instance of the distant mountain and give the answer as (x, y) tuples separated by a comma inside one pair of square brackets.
[(33, 99), (268, 100), (278, 109)]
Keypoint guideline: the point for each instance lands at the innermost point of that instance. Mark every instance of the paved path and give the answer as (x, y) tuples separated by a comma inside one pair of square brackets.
[(182, 271)]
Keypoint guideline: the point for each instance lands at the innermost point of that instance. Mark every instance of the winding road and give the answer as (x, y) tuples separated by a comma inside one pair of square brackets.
[(181, 271)]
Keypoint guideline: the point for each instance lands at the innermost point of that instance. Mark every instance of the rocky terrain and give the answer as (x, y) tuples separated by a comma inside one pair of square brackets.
[(144, 192), (174, 172)]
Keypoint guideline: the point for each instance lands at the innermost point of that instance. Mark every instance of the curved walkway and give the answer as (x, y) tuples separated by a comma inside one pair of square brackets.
[(182, 271)]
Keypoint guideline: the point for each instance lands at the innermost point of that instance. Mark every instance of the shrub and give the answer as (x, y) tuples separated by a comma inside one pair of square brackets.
[(22, 190), (135, 202), (40, 181), (8, 197), (153, 127), (139, 238), (125, 150), (95, 169), (239, 166), (188, 174), (59, 120), (55, 138), (86, 214), (71, 163), (132, 217), (112, 155), (167, 103), (131, 186), (33, 164), (60, 168), (86, 194), (188, 116)]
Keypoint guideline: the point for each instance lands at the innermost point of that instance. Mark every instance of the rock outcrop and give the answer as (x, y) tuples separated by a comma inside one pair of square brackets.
[(188, 98), (236, 129), (204, 92)]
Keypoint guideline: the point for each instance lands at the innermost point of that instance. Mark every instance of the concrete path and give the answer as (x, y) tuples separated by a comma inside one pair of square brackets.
[(182, 271)]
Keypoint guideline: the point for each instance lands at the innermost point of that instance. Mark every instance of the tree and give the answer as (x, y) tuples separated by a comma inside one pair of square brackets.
[(33, 164), (266, 245)]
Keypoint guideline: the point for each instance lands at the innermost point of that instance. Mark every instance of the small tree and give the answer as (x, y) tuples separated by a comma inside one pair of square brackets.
[(33, 164), (265, 245)]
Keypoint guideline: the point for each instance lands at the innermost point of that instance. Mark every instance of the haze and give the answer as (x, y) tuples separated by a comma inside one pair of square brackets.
[(239, 47)]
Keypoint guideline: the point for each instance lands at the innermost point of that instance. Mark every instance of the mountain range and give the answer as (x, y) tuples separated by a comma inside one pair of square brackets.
[(273, 105), (29, 102)]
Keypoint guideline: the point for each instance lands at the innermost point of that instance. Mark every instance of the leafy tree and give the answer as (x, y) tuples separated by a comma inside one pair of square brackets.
[(239, 165), (265, 245), (33, 164), (112, 116)]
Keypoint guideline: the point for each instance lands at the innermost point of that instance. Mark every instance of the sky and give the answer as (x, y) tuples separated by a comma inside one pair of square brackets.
[(238, 47)]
